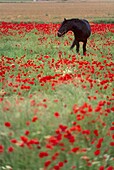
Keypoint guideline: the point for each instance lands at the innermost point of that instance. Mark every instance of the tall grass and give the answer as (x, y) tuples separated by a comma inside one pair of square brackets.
[(56, 106)]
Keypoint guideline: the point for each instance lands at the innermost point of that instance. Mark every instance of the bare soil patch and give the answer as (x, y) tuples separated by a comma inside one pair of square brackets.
[(55, 11)]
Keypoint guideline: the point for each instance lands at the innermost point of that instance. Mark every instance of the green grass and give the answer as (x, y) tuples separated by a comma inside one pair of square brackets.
[(36, 54), (103, 20)]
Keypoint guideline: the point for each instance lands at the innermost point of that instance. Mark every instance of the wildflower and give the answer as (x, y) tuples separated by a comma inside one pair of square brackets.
[(60, 164), (43, 154), (101, 168), (53, 140), (47, 163), (56, 100), (54, 157), (10, 149), (111, 143), (56, 167), (96, 132), (79, 117), (13, 141), (27, 132), (27, 123), (24, 139), (32, 103), (56, 114), (49, 146), (112, 136), (87, 132), (112, 128), (7, 124), (1, 148), (75, 109), (62, 127), (110, 168), (97, 152), (75, 149), (34, 119)]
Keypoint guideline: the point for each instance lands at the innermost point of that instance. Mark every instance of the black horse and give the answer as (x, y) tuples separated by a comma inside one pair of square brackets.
[(81, 30)]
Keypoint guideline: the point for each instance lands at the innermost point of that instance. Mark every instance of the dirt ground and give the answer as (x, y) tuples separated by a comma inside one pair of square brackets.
[(56, 11)]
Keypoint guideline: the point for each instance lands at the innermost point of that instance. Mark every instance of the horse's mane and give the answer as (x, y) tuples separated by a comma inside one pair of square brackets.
[(74, 19)]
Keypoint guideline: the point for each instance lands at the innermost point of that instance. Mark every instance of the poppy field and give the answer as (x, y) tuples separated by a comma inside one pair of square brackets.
[(56, 106)]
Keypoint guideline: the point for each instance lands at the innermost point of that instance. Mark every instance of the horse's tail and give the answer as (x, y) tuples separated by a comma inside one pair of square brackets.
[(88, 27)]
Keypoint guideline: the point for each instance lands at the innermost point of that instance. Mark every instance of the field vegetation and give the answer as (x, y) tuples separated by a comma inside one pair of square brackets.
[(56, 106)]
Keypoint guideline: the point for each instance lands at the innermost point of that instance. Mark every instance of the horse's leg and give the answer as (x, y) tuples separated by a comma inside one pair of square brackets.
[(73, 44), (84, 47), (77, 46)]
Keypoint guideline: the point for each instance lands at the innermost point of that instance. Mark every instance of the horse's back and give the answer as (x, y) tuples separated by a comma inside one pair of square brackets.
[(84, 26)]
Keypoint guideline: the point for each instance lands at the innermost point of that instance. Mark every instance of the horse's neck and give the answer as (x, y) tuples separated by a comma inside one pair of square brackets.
[(75, 26)]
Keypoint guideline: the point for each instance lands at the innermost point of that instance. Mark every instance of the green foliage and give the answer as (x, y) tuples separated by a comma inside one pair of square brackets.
[(103, 20), (70, 106)]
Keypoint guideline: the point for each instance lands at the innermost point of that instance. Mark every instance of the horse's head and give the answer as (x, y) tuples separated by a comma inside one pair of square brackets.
[(64, 28)]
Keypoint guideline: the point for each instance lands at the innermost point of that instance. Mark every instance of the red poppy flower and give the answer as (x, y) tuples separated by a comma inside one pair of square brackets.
[(111, 143), (110, 168), (75, 149), (1, 148), (56, 114), (24, 139), (7, 124), (10, 149), (27, 132), (97, 152), (47, 163), (43, 154), (13, 140), (101, 168), (96, 132), (34, 119)]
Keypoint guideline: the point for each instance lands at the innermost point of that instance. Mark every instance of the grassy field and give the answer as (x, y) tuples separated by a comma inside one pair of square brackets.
[(56, 11), (56, 106)]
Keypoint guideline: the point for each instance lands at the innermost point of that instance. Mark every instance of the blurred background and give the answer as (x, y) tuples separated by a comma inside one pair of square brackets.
[(57, 0), (56, 10)]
